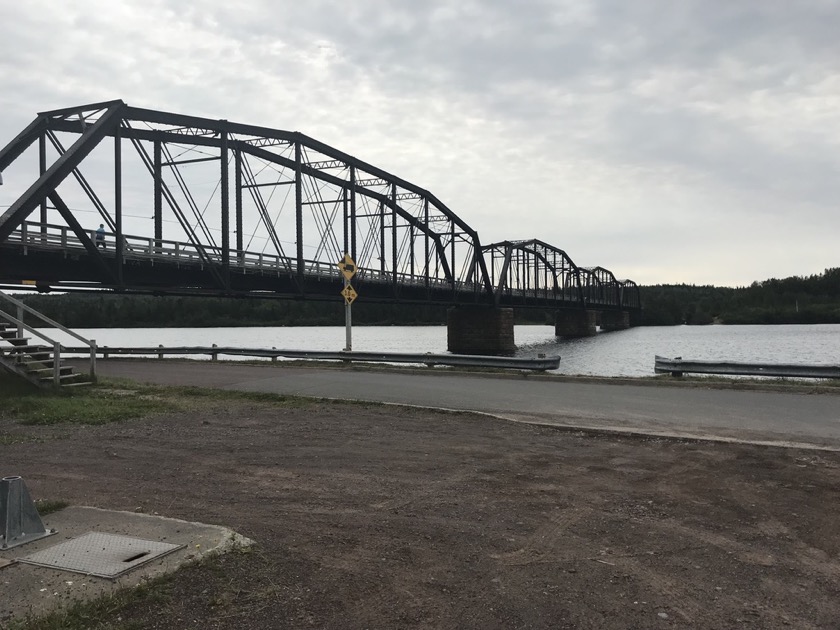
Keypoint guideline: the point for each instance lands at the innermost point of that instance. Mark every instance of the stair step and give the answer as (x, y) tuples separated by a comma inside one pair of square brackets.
[(77, 384), (34, 368), (29, 359), (64, 369), (37, 362), (26, 348), (61, 377)]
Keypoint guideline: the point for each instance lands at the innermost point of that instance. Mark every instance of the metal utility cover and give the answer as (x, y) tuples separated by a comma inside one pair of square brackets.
[(102, 555)]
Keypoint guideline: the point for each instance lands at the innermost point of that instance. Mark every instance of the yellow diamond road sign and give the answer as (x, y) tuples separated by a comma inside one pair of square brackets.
[(347, 266), (349, 294)]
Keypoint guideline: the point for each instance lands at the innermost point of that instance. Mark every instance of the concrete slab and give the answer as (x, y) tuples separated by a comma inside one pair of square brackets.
[(35, 590)]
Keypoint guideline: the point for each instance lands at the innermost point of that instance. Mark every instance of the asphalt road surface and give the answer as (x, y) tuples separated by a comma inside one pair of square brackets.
[(744, 415)]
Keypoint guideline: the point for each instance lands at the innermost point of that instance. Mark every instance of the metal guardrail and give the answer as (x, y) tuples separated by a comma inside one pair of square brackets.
[(678, 367), (428, 359)]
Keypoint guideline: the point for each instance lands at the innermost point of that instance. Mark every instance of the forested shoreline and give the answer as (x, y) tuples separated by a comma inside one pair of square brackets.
[(811, 299), (795, 300)]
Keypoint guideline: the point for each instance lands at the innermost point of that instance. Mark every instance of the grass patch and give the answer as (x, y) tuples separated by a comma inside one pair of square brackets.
[(202, 393), (103, 612), (6, 439), (46, 506), (114, 611), (92, 407), (115, 400)]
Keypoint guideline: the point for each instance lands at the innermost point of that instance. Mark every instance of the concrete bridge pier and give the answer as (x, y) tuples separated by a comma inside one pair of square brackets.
[(575, 323), (480, 330), (615, 320)]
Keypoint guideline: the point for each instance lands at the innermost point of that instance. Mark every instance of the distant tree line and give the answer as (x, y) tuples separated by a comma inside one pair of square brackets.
[(806, 300), (797, 300)]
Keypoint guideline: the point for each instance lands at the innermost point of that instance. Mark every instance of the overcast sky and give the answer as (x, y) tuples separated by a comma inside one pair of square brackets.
[(689, 141)]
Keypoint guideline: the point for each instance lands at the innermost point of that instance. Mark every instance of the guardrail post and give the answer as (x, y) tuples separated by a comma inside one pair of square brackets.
[(93, 359), (214, 356), (56, 364), (274, 358), (160, 354)]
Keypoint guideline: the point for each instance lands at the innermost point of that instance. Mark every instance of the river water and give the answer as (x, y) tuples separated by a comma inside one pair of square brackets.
[(623, 353)]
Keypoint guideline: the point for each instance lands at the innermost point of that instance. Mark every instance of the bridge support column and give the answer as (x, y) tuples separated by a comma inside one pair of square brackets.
[(615, 320), (480, 330), (575, 323)]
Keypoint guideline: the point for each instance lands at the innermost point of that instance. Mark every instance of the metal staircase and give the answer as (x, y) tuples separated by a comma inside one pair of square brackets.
[(39, 363)]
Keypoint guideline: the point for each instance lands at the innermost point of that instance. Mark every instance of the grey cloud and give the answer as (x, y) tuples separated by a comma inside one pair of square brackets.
[(588, 124)]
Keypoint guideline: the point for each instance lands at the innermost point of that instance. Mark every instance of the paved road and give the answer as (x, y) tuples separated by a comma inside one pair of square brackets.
[(762, 416)]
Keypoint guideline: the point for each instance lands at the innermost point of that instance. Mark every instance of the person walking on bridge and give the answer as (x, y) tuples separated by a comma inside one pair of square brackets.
[(100, 236)]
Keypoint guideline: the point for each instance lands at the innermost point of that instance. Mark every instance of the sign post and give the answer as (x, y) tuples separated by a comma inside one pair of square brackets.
[(348, 270)]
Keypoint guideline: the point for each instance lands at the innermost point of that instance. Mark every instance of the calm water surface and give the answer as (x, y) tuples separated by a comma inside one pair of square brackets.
[(624, 353)]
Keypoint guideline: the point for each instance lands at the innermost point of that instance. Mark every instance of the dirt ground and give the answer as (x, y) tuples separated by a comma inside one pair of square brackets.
[(384, 517)]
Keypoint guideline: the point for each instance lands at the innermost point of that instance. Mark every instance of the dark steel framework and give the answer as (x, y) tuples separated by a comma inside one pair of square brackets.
[(196, 205), (536, 274)]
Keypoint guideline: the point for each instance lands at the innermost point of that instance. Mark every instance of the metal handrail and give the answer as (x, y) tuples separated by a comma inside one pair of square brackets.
[(21, 308)]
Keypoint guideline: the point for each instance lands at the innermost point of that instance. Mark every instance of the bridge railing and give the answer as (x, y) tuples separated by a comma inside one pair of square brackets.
[(48, 236)]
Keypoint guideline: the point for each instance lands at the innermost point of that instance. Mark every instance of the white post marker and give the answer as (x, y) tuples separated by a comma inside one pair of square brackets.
[(348, 270)]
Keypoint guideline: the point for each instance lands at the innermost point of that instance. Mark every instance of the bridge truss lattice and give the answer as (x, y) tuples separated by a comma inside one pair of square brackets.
[(196, 205)]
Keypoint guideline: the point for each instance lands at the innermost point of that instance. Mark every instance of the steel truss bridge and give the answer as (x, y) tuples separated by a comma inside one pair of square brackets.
[(209, 207)]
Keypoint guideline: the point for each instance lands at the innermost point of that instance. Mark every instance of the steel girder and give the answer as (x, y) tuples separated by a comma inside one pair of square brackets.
[(533, 273), (228, 192), (600, 287), (197, 205), (631, 298)]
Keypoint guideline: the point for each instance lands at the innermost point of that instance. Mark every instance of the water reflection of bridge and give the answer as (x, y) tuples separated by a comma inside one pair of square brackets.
[(208, 207)]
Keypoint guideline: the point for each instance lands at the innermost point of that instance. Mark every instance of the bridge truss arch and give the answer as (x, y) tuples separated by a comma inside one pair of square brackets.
[(631, 298), (207, 206), (533, 273), (202, 206)]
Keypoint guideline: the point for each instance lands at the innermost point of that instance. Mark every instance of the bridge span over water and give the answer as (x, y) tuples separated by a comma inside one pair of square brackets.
[(209, 207)]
